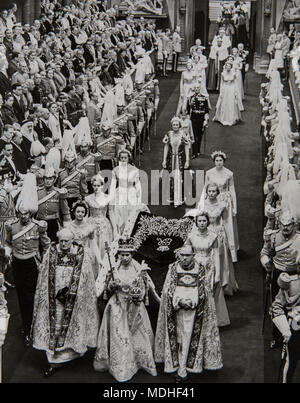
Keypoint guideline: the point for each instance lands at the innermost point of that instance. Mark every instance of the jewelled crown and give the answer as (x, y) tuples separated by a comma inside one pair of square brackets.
[(126, 245)]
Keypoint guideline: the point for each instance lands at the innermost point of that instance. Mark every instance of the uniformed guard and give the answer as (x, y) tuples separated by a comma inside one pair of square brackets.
[(88, 162), (52, 204), (132, 110), (199, 112), (7, 206), (109, 144), (73, 179), (121, 126), (25, 236), (285, 313), (244, 54), (280, 254)]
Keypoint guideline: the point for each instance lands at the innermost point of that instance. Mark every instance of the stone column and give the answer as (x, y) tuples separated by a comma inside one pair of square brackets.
[(263, 25), (37, 9), (27, 12), (190, 23)]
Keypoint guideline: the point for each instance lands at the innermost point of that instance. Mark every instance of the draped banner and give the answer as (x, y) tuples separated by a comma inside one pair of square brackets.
[(280, 6)]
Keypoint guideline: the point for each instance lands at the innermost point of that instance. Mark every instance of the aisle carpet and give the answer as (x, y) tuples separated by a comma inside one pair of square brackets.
[(242, 344)]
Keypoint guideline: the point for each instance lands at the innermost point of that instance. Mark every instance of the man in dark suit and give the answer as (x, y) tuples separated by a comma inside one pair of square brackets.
[(41, 127), (8, 132), (18, 105), (4, 83), (26, 29), (6, 161), (19, 155), (89, 52)]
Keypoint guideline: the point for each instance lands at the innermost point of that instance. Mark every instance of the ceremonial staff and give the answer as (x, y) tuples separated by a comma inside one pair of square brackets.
[(107, 249), (4, 260), (284, 354), (268, 298)]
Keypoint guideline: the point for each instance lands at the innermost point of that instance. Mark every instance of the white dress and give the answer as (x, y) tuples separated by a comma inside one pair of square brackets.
[(126, 340), (227, 109), (225, 182), (126, 197), (98, 217), (206, 251), (216, 211)]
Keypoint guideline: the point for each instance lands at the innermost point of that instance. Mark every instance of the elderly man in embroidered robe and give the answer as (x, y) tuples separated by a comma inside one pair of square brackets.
[(65, 320), (187, 337)]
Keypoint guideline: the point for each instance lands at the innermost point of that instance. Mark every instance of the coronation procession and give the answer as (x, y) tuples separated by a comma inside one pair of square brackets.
[(149, 186)]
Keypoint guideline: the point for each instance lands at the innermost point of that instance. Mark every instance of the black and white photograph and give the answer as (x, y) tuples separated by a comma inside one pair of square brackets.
[(149, 194)]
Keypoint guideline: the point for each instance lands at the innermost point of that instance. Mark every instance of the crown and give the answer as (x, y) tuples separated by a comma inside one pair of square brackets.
[(126, 245), (218, 154), (163, 244)]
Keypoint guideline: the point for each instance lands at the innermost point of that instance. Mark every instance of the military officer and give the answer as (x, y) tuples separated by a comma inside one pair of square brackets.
[(285, 314), (132, 111), (243, 53), (280, 254), (73, 179), (88, 162), (121, 125), (7, 206), (109, 145), (199, 113), (52, 204), (25, 236)]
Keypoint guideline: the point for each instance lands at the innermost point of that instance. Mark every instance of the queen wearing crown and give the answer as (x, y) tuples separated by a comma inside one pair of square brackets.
[(223, 178), (126, 340)]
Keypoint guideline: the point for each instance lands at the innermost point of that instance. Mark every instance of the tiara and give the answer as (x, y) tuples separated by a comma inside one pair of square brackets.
[(176, 119), (218, 154), (80, 203)]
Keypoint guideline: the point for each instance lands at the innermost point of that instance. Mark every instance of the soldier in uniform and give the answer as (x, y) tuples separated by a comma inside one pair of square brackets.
[(121, 124), (7, 206), (279, 255), (73, 179), (199, 112), (7, 212), (109, 145), (25, 236), (132, 110), (52, 204), (88, 162), (244, 55), (285, 313)]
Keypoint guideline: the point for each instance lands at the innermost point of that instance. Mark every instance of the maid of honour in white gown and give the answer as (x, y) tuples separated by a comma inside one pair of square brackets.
[(228, 108)]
